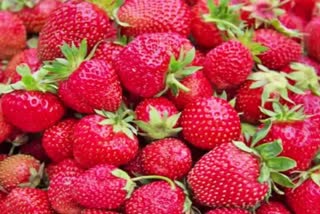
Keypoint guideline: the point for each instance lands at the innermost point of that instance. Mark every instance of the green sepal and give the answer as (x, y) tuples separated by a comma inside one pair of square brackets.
[(283, 29), (264, 173), (261, 134), (33, 42), (281, 164), (270, 150), (130, 185), (315, 177), (35, 178), (243, 147), (281, 179), (248, 130), (17, 5)]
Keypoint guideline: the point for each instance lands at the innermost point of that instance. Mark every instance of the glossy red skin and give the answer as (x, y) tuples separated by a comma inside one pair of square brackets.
[(97, 211), (228, 65), (161, 104), (34, 18), (40, 110), (134, 166), (168, 157), (67, 165), (273, 207), (60, 190), (228, 177), (57, 141), (209, 122), (304, 8), (155, 16), (156, 197), (144, 62), (6, 129), (206, 35), (35, 149), (97, 83), (99, 144), (312, 38), (300, 141), (281, 49), (199, 87), (248, 102), (108, 51), (97, 188), (28, 57), (13, 35), (26, 200), (228, 211), (14, 170), (71, 22), (305, 198)]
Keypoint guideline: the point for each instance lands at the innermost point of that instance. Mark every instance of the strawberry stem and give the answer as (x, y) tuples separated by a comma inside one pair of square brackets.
[(148, 177)]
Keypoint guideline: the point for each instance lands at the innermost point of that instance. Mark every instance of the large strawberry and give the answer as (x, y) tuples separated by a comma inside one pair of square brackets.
[(228, 211), (311, 39), (273, 207), (153, 16), (57, 141), (106, 138), (13, 35), (151, 64), (71, 22), (208, 122)]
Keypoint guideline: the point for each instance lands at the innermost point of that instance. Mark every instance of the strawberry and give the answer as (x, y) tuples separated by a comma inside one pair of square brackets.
[(150, 64), (281, 49), (134, 167), (26, 200), (157, 118), (168, 157), (292, 21), (67, 165), (157, 197), (155, 16), (208, 122), (272, 207), (99, 188), (19, 169), (13, 35), (228, 211), (29, 57), (304, 8), (311, 38), (88, 84), (77, 18), (6, 129), (199, 87), (57, 141), (97, 211), (108, 51), (105, 138), (35, 149)]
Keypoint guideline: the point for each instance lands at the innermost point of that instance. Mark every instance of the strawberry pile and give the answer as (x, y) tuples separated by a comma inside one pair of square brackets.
[(159, 106)]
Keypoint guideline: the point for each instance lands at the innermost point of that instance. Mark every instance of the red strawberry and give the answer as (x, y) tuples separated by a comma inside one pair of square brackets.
[(99, 188), (273, 207), (18, 169), (104, 139), (97, 211), (108, 51), (35, 149), (67, 165), (208, 122), (156, 197), (304, 8), (157, 118), (13, 35), (29, 57), (155, 16), (134, 167), (292, 21), (311, 38), (199, 87), (228, 211), (281, 49), (58, 140), (168, 157), (77, 18), (26, 200), (6, 129)]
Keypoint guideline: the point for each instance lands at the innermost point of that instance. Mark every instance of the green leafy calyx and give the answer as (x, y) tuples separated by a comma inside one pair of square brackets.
[(17, 5)]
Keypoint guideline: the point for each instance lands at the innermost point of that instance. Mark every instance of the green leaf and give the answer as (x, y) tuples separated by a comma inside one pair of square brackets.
[(269, 150), (281, 164), (282, 179), (316, 178), (243, 147), (120, 174), (264, 173), (261, 134)]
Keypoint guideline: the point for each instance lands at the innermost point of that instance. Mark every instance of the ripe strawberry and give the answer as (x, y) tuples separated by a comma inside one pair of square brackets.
[(77, 18), (208, 122), (149, 65), (67, 165), (228, 65), (281, 49), (156, 197), (292, 21), (304, 8), (157, 118), (6, 129), (311, 38), (26, 200), (13, 35), (58, 140), (273, 207), (29, 57), (35, 149), (199, 87), (155, 16), (228, 211), (108, 51), (18, 169), (99, 188), (168, 157), (104, 139), (97, 211), (134, 167)]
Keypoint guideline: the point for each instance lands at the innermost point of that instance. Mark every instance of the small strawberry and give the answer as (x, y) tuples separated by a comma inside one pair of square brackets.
[(19, 169), (311, 38), (154, 16), (58, 140), (97, 211), (67, 165), (272, 207), (35, 149), (134, 167), (208, 122), (228, 211), (13, 35), (157, 118), (77, 18), (26, 200), (168, 157)]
